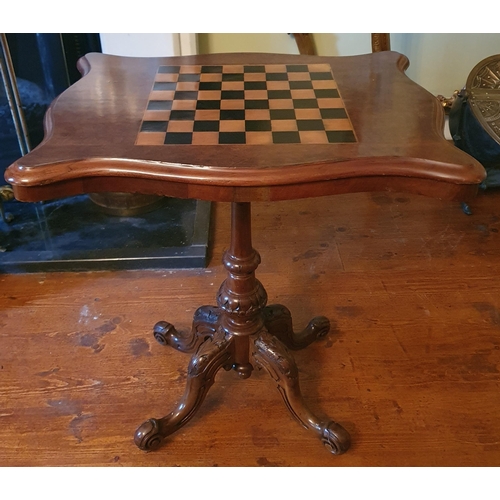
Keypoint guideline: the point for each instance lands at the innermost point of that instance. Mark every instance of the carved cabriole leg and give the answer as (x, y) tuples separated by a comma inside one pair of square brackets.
[(205, 322), (275, 358), (212, 355), (278, 322)]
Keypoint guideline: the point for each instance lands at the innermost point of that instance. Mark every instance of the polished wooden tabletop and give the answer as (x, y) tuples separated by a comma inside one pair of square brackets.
[(203, 127)]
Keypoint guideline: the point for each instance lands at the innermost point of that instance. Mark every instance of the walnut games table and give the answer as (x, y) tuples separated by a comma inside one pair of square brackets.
[(241, 128)]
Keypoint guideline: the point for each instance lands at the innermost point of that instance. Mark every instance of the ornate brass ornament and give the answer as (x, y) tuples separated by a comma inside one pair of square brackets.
[(127, 204), (475, 118), (483, 89), (447, 102)]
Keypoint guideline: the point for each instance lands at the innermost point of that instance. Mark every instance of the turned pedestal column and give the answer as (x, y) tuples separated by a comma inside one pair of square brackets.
[(237, 334)]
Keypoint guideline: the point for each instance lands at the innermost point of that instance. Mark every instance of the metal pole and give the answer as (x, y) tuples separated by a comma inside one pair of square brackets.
[(10, 84)]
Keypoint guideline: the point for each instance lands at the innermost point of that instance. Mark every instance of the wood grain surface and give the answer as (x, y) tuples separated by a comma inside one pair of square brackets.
[(410, 367), (90, 143)]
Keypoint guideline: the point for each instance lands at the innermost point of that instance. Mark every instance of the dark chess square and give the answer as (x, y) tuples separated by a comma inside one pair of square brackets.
[(236, 104)]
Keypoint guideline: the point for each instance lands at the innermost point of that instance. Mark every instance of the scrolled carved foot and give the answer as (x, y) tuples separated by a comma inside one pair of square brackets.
[(211, 356), (336, 439), (274, 357), (148, 437), (318, 327), (164, 332), (278, 322), (204, 326)]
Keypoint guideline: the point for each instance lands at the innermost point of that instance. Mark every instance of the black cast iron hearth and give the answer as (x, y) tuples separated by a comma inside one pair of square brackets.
[(73, 234)]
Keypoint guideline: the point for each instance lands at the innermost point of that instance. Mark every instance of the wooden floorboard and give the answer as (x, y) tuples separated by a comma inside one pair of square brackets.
[(410, 367)]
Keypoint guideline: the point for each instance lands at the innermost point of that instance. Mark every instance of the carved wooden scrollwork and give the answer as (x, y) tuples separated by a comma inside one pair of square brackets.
[(241, 296), (204, 326), (212, 355), (223, 337), (274, 357), (278, 322), (242, 304)]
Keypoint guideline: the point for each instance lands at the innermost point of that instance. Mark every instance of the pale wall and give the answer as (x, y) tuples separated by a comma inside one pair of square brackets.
[(140, 44), (440, 62), (149, 44)]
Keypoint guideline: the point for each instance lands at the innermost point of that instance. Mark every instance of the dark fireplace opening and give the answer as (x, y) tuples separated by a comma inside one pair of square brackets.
[(78, 233)]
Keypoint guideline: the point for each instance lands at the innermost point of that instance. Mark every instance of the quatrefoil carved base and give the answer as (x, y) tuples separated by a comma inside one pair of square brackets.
[(238, 334)]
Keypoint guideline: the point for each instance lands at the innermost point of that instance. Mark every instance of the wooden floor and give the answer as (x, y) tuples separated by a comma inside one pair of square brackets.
[(410, 368)]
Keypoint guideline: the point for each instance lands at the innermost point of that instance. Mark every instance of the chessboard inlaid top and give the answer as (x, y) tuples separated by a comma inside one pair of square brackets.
[(243, 126), (245, 104)]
